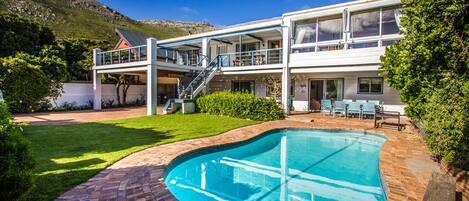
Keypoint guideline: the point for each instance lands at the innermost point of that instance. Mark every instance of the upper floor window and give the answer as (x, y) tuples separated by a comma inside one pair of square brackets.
[(390, 21), (305, 31), (330, 28), (365, 23)]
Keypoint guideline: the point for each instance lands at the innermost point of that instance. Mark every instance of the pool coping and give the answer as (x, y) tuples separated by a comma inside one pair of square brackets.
[(141, 175)]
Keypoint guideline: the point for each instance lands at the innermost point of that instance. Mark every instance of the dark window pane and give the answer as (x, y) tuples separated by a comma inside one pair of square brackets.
[(389, 22), (388, 42), (364, 85), (363, 45), (305, 31), (330, 28), (365, 24), (243, 86), (376, 85)]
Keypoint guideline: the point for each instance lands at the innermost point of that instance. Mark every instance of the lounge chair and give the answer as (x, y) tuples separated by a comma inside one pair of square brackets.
[(354, 108), (368, 109), (347, 100), (326, 106), (339, 107)]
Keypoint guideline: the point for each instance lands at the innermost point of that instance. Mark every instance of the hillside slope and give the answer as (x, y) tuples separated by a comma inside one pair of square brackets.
[(86, 19)]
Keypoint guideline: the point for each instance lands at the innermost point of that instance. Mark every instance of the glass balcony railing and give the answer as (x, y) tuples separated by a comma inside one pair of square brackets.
[(139, 53), (251, 58)]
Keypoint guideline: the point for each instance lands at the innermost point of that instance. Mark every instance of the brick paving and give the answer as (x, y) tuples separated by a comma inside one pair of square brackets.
[(74, 117), (405, 162)]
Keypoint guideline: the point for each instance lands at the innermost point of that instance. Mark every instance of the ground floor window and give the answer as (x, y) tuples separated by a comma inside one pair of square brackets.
[(370, 85), (243, 85)]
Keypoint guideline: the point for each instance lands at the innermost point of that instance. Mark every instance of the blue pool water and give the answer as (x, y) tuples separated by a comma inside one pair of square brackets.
[(293, 164)]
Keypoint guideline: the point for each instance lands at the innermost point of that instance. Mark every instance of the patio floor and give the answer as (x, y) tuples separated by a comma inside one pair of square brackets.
[(405, 161), (74, 117)]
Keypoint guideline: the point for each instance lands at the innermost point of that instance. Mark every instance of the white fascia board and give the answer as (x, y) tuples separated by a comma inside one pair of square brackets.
[(269, 23), (338, 9), (121, 65), (250, 72), (123, 70), (336, 69)]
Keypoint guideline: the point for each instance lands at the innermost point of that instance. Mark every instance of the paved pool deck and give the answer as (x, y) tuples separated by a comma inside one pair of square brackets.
[(405, 161)]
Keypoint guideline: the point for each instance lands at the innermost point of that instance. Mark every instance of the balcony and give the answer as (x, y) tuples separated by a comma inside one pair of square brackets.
[(251, 58), (139, 54)]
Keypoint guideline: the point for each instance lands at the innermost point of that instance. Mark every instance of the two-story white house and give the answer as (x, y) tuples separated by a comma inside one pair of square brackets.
[(330, 52)]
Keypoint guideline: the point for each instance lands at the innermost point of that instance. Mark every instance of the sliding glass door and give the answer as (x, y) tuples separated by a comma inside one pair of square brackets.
[(319, 89)]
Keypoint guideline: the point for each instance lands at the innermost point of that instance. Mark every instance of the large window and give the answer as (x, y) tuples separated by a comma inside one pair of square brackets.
[(365, 24), (370, 85), (330, 28), (305, 31), (389, 25), (243, 85)]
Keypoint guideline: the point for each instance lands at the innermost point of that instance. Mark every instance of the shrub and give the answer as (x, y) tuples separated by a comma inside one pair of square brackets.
[(446, 124), (240, 105), (16, 162), (25, 87)]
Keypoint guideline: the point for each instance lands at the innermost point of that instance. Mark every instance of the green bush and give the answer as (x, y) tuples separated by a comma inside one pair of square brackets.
[(446, 124), (16, 162), (240, 105), (25, 87)]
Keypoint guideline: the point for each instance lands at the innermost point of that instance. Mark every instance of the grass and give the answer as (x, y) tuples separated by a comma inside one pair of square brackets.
[(68, 155)]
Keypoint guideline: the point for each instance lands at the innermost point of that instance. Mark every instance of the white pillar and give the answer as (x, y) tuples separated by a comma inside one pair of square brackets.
[(96, 80), (205, 51), (286, 32), (151, 77)]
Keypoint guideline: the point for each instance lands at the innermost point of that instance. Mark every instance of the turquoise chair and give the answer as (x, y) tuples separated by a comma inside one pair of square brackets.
[(368, 109), (354, 108), (376, 102), (326, 106), (339, 108)]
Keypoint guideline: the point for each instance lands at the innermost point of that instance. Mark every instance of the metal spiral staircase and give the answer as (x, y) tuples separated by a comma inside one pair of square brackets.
[(195, 86)]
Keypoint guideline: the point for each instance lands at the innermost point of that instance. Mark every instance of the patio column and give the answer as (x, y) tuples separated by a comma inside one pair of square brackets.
[(96, 80), (151, 77), (286, 30), (205, 51)]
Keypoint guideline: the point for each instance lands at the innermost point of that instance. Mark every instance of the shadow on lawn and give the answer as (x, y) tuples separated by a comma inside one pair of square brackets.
[(78, 152)]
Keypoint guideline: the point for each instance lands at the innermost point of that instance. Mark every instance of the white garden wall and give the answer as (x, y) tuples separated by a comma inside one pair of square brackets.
[(81, 93)]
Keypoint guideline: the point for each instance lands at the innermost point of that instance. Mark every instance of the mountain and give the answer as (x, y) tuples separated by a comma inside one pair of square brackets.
[(189, 27), (93, 20)]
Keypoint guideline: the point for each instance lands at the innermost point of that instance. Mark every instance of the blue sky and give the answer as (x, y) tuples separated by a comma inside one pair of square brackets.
[(219, 12)]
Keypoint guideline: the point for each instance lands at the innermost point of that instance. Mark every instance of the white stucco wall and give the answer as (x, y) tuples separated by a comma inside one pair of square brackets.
[(82, 93), (389, 97)]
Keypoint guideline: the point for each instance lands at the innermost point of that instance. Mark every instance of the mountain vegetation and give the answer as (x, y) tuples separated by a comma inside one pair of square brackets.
[(94, 21)]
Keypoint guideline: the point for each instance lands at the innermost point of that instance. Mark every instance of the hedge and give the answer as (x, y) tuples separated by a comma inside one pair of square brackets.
[(240, 105), (16, 161)]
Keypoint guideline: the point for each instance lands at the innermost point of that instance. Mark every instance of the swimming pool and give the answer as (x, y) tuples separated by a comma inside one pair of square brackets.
[(284, 164)]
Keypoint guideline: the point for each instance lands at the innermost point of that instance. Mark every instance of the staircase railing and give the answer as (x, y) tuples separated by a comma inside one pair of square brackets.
[(200, 81)]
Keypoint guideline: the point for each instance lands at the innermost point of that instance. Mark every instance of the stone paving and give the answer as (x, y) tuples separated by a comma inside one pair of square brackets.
[(405, 162), (74, 117)]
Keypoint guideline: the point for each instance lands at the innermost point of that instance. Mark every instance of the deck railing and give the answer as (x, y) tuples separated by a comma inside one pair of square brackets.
[(251, 58), (139, 53), (124, 55)]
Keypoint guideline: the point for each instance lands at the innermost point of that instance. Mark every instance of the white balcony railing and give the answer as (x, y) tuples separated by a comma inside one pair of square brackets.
[(251, 58)]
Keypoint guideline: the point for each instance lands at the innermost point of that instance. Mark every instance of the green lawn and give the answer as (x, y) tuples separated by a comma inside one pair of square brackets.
[(68, 155)]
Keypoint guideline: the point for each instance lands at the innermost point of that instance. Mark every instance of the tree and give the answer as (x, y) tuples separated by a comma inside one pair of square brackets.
[(79, 56), (20, 34), (430, 69), (124, 81), (25, 85)]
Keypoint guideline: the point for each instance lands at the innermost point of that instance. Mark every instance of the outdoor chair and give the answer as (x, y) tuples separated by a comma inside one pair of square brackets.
[(376, 102), (360, 101), (347, 100), (326, 106), (339, 108), (368, 109), (354, 108)]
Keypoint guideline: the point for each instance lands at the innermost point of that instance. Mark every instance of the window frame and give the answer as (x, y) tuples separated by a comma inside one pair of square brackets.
[(369, 85)]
